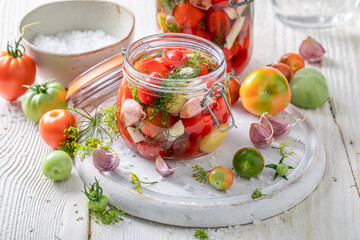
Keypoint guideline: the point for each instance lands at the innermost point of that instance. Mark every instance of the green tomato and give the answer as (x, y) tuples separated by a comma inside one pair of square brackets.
[(57, 165), (309, 88), (248, 162), (41, 98), (282, 169), (98, 205), (221, 178)]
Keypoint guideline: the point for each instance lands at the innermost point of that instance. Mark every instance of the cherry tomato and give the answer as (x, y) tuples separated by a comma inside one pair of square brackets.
[(52, 125), (203, 70), (150, 65), (248, 162), (230, 53), (220, 3), (198, 32), (150, 150), (97, 201), (221, 177), (184, 147), (240, 61), (214, 139), (124, 92), (57, 165), (220, 110), (187, 15), (293, 60), (218, 24), (148, 96), (155, 127), (265, 90), (284, 69), (174, 58), (234, 89), (199, 126)]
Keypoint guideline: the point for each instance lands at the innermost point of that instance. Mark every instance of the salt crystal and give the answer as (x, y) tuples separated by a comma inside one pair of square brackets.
[(74, 41)]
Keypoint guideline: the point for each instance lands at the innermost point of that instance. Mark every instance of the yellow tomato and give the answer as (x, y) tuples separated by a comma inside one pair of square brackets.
[(265, 90)]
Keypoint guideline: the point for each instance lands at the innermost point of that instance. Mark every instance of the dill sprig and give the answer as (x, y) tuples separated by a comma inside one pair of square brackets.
[(109, 119), (200, 174), (135, 180), (257, 193), (201, 234), (109, 216), (285, 149)]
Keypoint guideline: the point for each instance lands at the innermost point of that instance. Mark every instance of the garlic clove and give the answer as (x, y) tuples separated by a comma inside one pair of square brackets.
[(135, 135), (260, 135), (175, 131), (202, 4), (311, 50), (105, 161), (280, 128), (163, 168), (131, 112), (193, 108)]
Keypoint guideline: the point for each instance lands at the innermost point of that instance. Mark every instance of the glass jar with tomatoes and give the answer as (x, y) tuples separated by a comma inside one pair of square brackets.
[(172, 101), (228, 23)]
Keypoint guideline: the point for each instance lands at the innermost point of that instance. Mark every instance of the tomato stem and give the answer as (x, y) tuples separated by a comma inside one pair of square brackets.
[(16, 52)]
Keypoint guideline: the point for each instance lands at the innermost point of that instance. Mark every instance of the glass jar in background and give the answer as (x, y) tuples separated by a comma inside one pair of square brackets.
[(315, 13), (228, 23), (172, 100)]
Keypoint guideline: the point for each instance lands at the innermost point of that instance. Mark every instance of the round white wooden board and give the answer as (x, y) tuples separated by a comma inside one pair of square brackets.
[(182, 201)]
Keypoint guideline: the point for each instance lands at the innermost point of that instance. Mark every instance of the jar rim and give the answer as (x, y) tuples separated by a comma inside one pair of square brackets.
[(172, 39)]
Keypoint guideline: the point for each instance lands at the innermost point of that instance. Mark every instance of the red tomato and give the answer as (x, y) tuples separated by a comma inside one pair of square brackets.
[(294, 60), (199, 126), (230, 53), (123, 132), (187, 15), (203, 70), (218, 24), (198, 32), (156, 127), (221, 177), (234, 88), (124, 91), (52, 125), (148, 96), (265, 90), (150, 65), (150, 150), (220, 3), (240, 61), (220, 110), (185, 147), (284, 69), (174, 58), (14, 73)]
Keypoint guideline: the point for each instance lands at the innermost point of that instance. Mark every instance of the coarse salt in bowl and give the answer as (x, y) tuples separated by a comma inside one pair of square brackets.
[(73, 36)]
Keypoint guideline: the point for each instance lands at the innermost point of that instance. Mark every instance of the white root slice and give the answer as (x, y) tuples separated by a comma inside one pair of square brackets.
[(175, 131), (135, 135), (230, 12), (235, 29)]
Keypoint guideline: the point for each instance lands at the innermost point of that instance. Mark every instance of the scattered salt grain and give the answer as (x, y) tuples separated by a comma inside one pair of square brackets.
[(74, 41)]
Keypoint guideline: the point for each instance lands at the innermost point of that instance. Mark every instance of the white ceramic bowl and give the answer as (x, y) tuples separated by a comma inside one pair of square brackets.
[(75, 15)]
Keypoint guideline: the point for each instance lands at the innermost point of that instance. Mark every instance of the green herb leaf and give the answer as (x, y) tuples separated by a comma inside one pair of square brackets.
[(285, 149), (201, 234), (136, 181), (273, 166), (109, 216), (257, 193)]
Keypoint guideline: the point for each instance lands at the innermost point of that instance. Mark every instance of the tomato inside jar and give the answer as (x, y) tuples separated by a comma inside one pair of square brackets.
[(230, 26), (172, 101)]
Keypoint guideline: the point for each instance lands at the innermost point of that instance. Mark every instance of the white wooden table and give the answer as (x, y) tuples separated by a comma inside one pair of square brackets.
[(32, 207)]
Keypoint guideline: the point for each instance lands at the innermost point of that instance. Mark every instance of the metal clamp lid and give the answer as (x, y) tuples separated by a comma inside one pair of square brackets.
[(221, 89), (234, 5)]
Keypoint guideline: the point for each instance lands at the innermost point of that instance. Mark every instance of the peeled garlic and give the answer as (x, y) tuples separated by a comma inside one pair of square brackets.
[(135, 135), (311, 50), (131, 112), (192, 107), (175, 131), (162, 167)]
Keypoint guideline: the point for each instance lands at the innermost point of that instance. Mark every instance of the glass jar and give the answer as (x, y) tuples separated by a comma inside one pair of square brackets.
[(165, 113), (228, 24)]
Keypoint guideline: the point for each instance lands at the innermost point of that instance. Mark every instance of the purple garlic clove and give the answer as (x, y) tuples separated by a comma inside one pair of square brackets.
[(280, 128), (311, 50), (105, 161), (260, 135), (163, 168)]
